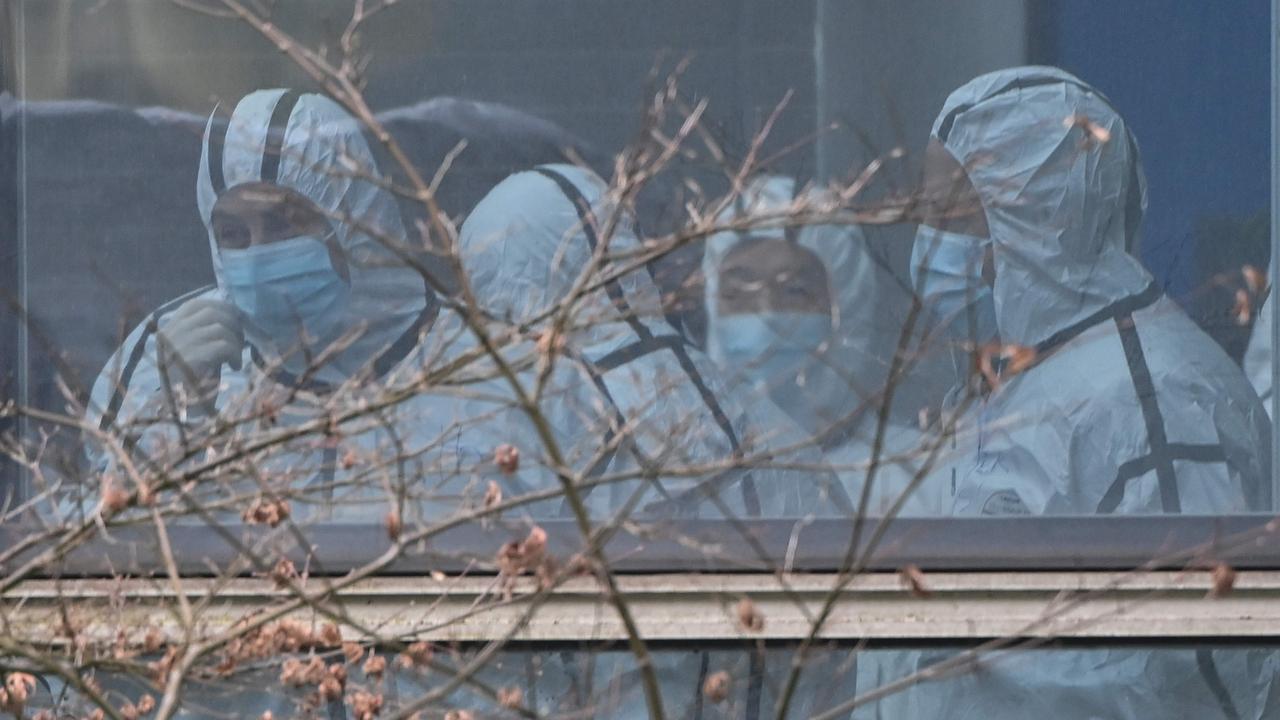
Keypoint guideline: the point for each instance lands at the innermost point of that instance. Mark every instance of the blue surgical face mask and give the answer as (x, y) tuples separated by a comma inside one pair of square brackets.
[(781, 353), (946, 269), (287, 287)]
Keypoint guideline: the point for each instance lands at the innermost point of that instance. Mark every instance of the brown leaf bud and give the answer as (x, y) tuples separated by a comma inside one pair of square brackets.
[(353, 652), (349, 459), (492, 494), (913, 579), (1224, 580), (114, 499), (716, 687), (375, 666), (510, 697), (365, 705), (417, 654), (749, 617), (392, 523), (330, 635), (153, 641), (330, 689), (284, 573), (507, 458), (1094, 134)]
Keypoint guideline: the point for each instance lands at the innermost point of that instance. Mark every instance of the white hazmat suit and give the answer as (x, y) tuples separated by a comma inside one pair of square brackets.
[(1127, 408), (308, 144), (623, 369), (836, 386)]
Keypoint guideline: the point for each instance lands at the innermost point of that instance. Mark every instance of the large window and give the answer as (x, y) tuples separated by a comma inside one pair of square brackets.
[(675, 301)]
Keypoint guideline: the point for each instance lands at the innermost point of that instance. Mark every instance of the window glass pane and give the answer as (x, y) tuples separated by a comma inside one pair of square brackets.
[(730, 260), (732, 682)]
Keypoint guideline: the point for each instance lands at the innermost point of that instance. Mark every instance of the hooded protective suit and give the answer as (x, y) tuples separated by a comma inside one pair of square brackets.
[(624, 372), (306, 143), (843, 374), (622, 376), (1128, 407)]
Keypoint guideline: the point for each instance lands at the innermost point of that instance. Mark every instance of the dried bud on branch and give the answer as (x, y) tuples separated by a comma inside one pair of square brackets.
[(365, 705), (267, 511), (1224, 580), (750, 618), (416, 655), (392, 523), (510, 697), (284, 573), (1094, 134), (913, 579), (349, 459), (153, 641), (330, 689), (493, 493), (716, 687), (515, 558), (330, 635), (375, 666), (114, 499), (352, 652), (996, 361), (549, 342), (507, 458)]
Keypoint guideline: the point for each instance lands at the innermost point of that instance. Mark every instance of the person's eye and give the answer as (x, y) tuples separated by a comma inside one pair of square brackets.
[(277, 226), (232, 235)]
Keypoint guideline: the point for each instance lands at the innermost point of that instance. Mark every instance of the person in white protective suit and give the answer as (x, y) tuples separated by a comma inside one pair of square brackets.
[(622, 372), (793, 319), (1257, 357), (1126, 407), (526, 248), (312, 305)]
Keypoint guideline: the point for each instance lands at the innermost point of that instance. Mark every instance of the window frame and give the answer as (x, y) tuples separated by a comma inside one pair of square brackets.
[(1018, 544), (1088, 608)]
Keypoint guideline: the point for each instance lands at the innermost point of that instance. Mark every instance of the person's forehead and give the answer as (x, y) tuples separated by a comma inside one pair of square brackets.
[(258, 197)]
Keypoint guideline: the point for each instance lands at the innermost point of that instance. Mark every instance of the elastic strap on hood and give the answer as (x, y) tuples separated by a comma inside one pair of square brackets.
[(271, 150)]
